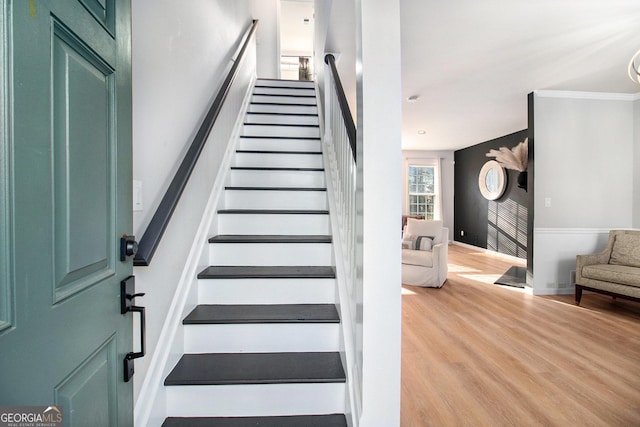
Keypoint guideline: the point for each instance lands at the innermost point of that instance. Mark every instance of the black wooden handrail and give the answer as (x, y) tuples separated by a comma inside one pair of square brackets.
[(330, 60), (156, 228)]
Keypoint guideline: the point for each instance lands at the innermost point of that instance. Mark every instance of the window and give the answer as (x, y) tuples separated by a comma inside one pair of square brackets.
[(422, 190)]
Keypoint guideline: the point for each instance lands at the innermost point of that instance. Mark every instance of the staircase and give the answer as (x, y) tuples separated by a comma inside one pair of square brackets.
[(262, 345)]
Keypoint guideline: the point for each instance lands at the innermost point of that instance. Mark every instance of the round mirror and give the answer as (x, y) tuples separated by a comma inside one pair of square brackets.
[(492, 180)]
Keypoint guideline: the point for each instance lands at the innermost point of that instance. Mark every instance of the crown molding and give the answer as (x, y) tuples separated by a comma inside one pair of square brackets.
[(599, 96)]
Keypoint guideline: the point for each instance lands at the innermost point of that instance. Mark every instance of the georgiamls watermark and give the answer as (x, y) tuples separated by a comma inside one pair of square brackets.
[(30, 416)]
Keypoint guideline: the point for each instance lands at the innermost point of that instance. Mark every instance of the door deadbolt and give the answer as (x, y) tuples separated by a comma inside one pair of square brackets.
[(128, 247)]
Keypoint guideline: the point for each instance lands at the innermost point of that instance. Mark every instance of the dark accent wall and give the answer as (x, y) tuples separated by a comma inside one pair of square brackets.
[(530, 186), (500, 225)]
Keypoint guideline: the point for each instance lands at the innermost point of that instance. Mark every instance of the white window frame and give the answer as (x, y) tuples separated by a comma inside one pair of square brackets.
[(437, 196)]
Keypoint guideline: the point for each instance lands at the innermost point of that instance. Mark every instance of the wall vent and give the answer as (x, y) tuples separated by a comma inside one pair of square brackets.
[(572, 277)]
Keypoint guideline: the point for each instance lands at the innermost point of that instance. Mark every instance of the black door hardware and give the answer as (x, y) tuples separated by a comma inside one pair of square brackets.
[(128, 247), (127, 295)]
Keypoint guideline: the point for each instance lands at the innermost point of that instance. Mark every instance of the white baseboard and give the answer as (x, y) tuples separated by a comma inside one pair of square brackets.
[(565, 291)]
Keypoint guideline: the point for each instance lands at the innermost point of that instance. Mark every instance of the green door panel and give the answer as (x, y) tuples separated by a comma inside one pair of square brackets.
[(90, 391), (103, 11), (83, 146), (65, 199)]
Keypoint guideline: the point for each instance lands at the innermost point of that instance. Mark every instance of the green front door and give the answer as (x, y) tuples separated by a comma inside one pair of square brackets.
[(65, 194)]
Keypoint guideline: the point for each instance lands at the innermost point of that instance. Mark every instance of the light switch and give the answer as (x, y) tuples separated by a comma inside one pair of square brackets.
[(547, 202), (137, 196)]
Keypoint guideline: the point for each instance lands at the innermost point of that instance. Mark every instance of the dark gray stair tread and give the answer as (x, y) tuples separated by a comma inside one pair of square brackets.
[(276, 188), (269, 238), (295, 125), (267, 272), (282, 103), (316, 153), (273, 211), (330, 420), (257, 368), (207, 314), (267, 79), (266, 113), (305, 87), (284, 95), (264, 168), (281, 137)]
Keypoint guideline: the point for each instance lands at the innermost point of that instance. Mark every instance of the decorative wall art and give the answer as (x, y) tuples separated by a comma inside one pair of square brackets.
[(517, 159)]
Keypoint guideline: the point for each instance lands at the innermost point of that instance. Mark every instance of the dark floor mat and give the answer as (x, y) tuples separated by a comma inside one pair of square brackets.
[(515, 276)]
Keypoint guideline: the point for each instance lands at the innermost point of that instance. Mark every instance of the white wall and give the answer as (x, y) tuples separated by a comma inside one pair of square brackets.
[(379, 143), (339, 39), (179, 59), (584, 160), (322, 11), (446, 178), (369, 68), (296, 37), (584, 171), (179, 55), (267, 12)]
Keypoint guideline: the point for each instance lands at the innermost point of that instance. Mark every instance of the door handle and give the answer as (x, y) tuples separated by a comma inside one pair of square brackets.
[(127, 295), (131, 356)]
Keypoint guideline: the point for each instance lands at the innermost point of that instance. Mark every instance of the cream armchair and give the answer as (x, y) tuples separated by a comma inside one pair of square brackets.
[(614, 271), (424, 253)]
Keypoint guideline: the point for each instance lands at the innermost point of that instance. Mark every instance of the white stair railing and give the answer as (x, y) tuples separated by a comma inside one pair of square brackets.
[(340, 150)]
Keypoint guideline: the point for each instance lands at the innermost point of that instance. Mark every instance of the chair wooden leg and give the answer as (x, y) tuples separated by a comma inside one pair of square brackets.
[(578, 294)]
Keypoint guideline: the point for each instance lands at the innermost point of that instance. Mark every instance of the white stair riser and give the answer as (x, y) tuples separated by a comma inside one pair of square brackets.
[(270, 254), (288, 131), (258, 90), (290, 119), (255, 400), (262, 338), (289, 100), (267, 108), (286, 224), (275, 199), (278, 160), (284, 83), (270, 178), (275, 144), (266, 291)]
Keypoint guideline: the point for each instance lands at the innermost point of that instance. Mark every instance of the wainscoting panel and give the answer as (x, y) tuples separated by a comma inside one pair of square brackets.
[(555, 251)]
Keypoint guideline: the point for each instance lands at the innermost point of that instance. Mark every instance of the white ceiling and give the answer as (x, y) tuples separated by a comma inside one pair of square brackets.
[(473, 62)]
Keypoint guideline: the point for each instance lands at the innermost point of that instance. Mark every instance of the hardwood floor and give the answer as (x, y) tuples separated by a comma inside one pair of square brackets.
[(478, 354)]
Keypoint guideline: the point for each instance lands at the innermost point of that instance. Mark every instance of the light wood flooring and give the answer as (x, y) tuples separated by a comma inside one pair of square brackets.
[(478, 354)]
